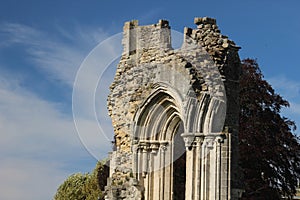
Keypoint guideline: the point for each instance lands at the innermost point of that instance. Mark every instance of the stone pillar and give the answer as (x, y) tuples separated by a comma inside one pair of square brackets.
[(198, 161), (188, 139), (206, 147), (193, 143), (163, 149), (189, 174), (145, 161), (151, 174), (135, 159), (206, 174), (156, 176), (219, 140), (139, 163), (213, 174)]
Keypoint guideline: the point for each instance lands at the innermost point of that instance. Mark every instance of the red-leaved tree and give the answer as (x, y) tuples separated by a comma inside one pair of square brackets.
[(269, 150)]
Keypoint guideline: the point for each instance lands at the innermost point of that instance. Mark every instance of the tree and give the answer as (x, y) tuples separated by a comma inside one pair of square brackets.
[(88, 186), (101, 171), (269, 150)]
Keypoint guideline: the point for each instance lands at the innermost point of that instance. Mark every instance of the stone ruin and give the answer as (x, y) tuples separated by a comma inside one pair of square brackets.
[(175, 115)]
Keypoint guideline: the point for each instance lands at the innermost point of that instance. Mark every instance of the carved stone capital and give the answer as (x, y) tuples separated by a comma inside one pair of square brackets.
[(154, 147), (163, 147), (192, 139), (220, 139), (143, 146), (188, 139), (135, 148), (148, 146), (213, 138), (198, 141), (209, 142)]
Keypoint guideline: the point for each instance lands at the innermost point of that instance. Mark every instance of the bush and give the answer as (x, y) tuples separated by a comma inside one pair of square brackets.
[(86, 186)]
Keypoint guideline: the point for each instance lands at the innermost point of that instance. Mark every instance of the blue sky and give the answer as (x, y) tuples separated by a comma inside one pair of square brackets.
[(44, 43)]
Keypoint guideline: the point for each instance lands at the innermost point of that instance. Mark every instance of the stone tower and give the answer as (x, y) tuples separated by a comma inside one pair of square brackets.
[(175, 115)]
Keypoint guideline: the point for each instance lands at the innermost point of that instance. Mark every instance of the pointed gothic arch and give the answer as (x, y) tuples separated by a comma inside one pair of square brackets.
[(158, 120)]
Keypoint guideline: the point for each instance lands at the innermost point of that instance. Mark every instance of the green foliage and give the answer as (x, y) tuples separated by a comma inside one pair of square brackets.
[(86, 186), (102, 173), (80, 187)]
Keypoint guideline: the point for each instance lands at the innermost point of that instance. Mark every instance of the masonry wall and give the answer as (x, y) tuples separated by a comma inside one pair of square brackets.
[(148, 61), (225, 55)]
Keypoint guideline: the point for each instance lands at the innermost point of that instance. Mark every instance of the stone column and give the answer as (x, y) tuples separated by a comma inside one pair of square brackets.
[(168, 175), (135, 159), (219, 140), (163, 149), (139, 163), (198, 161), (156, 176), (145, 161), (203, 170), (207, 175), (188, 139), (193, 143), (153, 148)]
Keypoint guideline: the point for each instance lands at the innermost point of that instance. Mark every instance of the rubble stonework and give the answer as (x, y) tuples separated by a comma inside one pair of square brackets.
[(159, 94)]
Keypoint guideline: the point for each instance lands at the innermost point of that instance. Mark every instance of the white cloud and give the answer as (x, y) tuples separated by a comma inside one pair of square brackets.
[(37, 143), (88, 99), (295, 108), (29, 179), (59, 57), (38, 140), (25, 117), (288, 88), (34, 139)]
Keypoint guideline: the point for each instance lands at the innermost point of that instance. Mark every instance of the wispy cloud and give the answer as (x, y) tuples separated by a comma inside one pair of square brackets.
[(295, 108), (60, 57), (290, 90), (26, 118), (39, 141), (36, 141), (29, 179), (287, 87)]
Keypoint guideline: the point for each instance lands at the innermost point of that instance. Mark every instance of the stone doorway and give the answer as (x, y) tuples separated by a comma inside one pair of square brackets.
[(160, 148)]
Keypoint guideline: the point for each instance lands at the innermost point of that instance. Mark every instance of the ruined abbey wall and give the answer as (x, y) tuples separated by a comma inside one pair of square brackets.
[(143, 44), (157, 89)]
